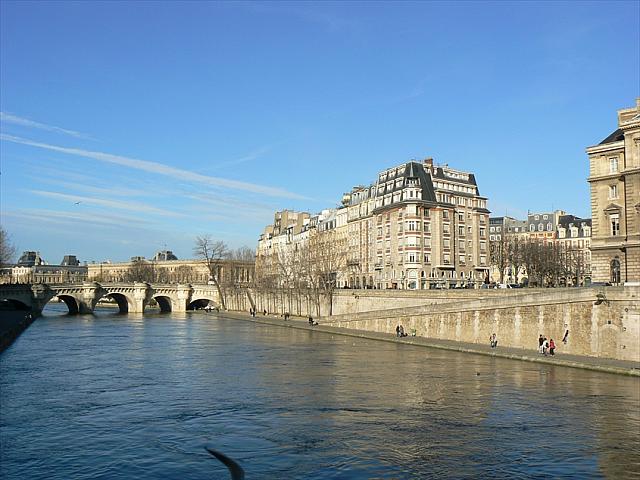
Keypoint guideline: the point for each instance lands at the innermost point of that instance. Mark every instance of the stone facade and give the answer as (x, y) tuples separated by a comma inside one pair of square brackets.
[(614, 177), (230, 272), (418, 226)]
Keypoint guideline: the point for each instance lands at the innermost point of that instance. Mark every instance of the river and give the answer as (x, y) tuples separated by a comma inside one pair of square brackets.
[(108, 396)]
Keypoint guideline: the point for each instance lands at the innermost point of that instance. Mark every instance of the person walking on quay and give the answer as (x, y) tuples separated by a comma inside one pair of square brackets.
[(398, 330), (540, 343), (566, 336), (545, 346), (493, 340), (552, 346)]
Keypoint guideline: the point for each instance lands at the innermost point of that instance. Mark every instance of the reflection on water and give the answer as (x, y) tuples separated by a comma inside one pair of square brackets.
[(111, 396)]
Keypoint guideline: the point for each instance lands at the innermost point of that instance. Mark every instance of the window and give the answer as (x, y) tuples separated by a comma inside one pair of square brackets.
[(411, 257), (482, 231), (615, 224), (445, 214), (613, 191), (532, 228), (427, 258), (447, 243), (483, 260), (540, 227), (445, 228), (461, 230), (427, 227), (461, 259), (447, 258), (549, 227), (613, 165)]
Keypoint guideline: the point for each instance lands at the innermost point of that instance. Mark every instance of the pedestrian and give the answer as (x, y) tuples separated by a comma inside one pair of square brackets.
[(493, 340), (398, 330), (310, 320), (264, 312), (552, 346), (545, 346), (566, 336), (540, 343)]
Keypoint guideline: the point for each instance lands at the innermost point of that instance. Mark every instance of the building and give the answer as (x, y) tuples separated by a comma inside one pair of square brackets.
[(614, 178), (500, 227), (164, 256), (543, 226), (31, 268), (574, 238), (230, 272), (29, 259), (418, 226)]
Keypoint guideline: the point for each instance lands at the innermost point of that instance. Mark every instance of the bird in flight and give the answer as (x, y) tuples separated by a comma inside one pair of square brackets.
[(77, 203)]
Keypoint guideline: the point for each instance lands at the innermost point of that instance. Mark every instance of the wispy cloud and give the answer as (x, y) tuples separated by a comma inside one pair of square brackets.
[(25, 122), (157, 168), (85, 218), (257, 153), (131, 206)]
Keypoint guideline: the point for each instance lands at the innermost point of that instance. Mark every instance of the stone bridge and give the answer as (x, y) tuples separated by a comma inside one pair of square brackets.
[(130, 297)]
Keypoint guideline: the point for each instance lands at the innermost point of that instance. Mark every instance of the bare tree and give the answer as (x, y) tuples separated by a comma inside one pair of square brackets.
[(213, 252), (7, 249), (140, 271), (244, 254), (326, 258)]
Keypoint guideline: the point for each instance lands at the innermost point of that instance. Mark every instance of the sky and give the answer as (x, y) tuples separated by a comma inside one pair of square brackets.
[(131, 127)]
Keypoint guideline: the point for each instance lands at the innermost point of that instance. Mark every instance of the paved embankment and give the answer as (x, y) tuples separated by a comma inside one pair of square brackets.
[(576, 361), (12, 324)]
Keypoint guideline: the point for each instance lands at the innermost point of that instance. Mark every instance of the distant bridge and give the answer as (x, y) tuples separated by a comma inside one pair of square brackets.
[(130, 297)]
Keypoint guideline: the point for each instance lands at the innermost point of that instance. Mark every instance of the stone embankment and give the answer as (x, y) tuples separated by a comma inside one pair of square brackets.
[(12, 324), (607, 365)]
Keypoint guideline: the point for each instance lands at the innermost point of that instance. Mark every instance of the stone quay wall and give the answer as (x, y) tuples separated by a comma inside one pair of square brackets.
[(601, 322)]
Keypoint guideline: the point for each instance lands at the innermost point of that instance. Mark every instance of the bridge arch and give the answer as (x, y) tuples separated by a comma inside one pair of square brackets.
[(121, 300), (71, 302), (15, 304), (164, 302), (197, 303)]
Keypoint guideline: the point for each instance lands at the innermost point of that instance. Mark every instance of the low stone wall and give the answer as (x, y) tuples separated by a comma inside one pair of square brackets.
[(601, 322)]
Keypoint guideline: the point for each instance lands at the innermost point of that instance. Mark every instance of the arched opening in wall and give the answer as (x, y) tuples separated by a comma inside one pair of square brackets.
[(615, 270), (164, 303), (202, 303), (69, 301), (118, 298), (11, 304)]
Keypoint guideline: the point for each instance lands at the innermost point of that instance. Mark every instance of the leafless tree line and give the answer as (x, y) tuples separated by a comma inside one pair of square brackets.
[(301, 276), (546, 263)]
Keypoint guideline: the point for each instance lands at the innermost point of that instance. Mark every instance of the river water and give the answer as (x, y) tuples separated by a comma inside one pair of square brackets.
[(110, 396)]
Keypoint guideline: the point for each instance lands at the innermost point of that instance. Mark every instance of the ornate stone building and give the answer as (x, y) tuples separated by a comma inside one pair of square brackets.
[(230, 272), (614, 177), (418, 226)]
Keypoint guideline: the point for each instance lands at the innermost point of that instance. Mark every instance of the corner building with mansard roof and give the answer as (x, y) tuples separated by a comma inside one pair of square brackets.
[(419, 226)]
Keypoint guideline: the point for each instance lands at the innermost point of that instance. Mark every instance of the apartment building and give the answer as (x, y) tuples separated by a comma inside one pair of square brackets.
[(614, 178), (418, 226)]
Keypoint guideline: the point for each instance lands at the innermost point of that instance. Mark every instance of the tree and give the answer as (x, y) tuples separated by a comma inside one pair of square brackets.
[(140, 271), (7, 249), (213, 252), (326, 256), (244, 254)]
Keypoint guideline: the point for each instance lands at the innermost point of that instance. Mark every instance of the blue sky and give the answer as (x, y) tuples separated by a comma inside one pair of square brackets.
[(133, 125)]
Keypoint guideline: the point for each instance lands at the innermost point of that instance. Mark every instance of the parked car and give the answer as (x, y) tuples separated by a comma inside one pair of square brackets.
[(599, 284), (515, 285)]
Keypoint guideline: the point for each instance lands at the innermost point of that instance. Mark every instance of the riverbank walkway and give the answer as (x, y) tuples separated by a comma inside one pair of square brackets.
[(607, 365)]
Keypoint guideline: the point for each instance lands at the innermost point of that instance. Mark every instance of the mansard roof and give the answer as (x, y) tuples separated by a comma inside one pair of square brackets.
[(614, 137)]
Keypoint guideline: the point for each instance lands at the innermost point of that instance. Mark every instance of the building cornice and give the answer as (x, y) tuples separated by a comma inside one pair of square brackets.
[(605, 147)]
